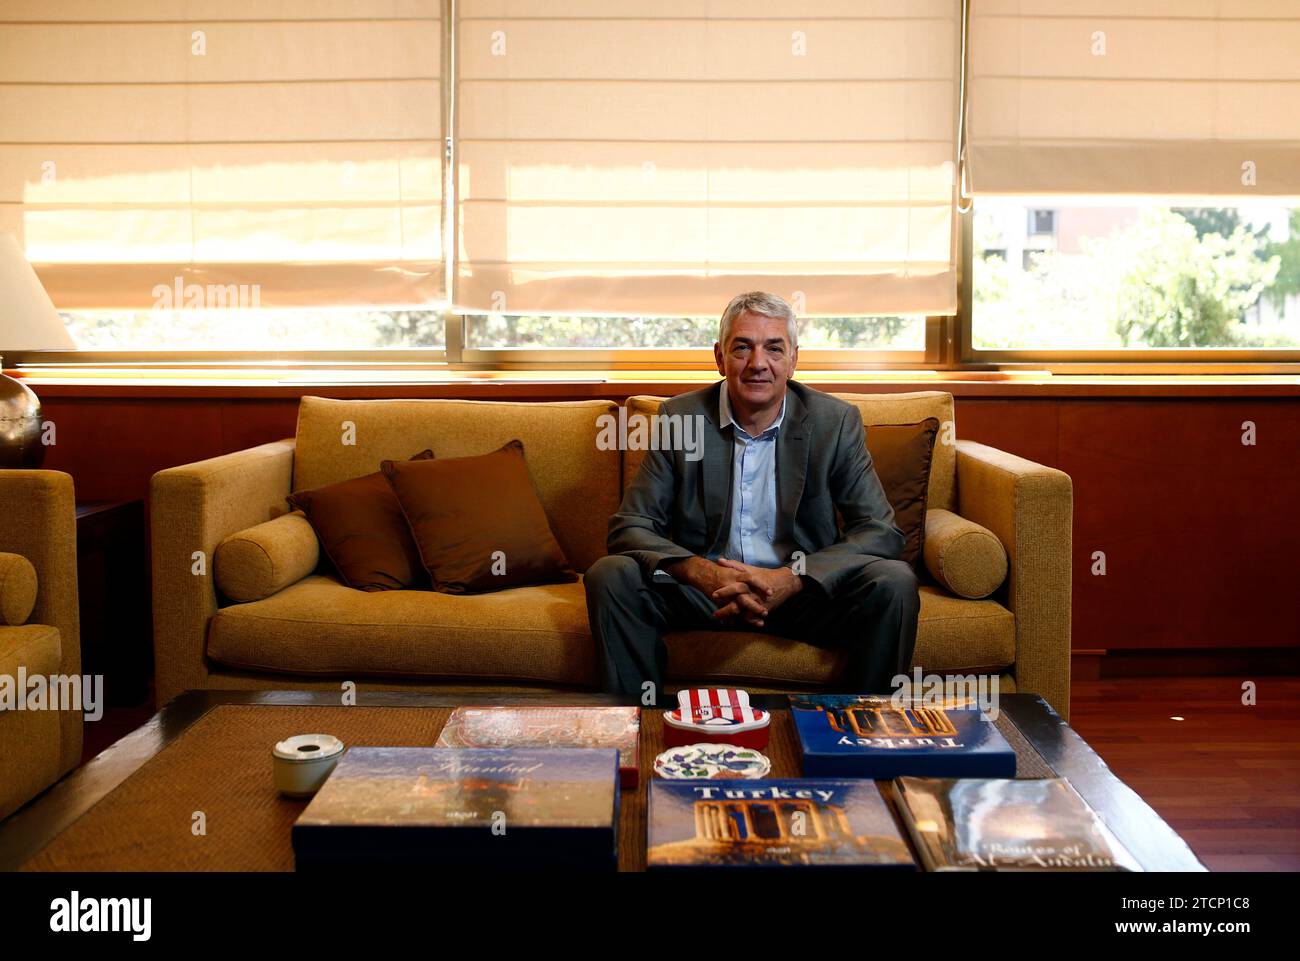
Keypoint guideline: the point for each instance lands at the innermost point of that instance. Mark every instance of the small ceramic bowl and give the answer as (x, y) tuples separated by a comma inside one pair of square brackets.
[(303, 762), (711, 762)]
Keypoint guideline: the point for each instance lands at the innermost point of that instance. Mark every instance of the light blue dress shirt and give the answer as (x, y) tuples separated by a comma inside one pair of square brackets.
[(752, 534)]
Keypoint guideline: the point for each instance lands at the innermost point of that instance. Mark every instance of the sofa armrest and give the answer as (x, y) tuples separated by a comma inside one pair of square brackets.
[(1029, 507), (193, 509), (40, 523)]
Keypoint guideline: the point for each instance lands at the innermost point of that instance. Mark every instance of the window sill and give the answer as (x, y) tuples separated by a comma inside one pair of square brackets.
[(570, 384)]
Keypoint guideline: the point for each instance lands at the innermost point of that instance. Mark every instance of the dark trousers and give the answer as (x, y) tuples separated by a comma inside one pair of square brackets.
[(871, 616)]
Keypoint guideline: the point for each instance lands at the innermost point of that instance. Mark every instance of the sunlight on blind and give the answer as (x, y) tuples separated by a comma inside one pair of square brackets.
[(656, 158), (293, 147), (1148, 97)]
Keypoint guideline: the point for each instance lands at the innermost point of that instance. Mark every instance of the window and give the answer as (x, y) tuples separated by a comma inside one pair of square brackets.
[(1042, 223), (615, 176), (1137, 163), (576, 179), (1127, 275)]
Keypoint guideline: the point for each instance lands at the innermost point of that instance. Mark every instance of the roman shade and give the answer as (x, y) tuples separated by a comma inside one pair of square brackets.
[(657, 156), (1156, 97), (291, 149)]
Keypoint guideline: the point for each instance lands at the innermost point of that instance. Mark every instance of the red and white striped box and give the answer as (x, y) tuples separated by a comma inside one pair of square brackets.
[(716, 715)]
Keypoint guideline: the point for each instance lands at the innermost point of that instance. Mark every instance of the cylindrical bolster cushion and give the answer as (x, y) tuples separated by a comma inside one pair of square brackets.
[(257, 562), (17, 589), (967, 559)]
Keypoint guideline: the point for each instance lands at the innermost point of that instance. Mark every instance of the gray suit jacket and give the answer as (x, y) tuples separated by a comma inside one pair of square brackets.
[(677, 507)]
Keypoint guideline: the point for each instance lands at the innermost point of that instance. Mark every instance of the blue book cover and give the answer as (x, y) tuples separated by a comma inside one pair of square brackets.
[(772, 823), (864, 735), (426, 806)]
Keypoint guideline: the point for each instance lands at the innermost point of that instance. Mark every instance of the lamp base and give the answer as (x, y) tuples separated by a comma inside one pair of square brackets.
[(20, 426)]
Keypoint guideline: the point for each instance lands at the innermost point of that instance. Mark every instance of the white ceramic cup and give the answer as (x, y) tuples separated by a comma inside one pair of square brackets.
[(302, 763)]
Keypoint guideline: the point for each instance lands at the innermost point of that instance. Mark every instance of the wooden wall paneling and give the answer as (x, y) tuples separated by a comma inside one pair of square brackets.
[(1199, 531), (113, 447), (1026, 428), (248, 423)]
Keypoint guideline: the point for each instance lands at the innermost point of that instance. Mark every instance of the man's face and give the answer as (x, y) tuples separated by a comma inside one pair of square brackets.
[(757, 359)]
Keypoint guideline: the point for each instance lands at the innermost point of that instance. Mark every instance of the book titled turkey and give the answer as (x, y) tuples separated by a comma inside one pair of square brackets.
[(614, 727), (777, 823), (470, 808), (980, 824), (864, 735)]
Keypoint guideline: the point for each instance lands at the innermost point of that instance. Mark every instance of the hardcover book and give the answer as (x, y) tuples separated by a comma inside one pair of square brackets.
[(977, 824), (782, 822), (471, 808), (864, 735), (559, 727)]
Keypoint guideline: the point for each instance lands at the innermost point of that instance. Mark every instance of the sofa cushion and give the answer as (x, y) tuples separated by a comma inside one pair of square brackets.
[(477, 522), (265, 558), (319, 626), (17, 588), (36, 647), (911, 408), (361, 528), (901, 454), (964, 557), (953, 636), (577, 482)]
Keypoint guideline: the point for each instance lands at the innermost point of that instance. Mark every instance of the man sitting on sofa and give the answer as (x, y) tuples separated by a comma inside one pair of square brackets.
[(746, 537)]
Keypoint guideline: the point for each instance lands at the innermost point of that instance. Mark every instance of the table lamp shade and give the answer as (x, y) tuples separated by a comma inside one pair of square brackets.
[(28, 320)]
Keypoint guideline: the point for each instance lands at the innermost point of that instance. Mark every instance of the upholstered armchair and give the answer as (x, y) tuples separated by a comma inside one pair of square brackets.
[(39, 629)]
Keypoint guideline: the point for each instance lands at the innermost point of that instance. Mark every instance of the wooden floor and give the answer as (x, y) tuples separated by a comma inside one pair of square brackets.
[(1226, 777)]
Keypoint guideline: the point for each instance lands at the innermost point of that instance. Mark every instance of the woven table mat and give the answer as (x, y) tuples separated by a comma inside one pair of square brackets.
[(221, 766)]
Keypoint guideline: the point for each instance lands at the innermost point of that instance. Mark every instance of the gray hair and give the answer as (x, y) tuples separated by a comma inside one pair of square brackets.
[(763, 304)]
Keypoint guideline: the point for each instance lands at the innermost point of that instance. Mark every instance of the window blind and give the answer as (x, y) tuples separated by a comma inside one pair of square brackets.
[(660, 157), (292, 147), (1173, 97)]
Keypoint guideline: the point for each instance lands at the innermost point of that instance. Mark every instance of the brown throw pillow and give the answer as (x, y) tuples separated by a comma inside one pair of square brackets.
[(477, 521), (902, 453), (363, 532)]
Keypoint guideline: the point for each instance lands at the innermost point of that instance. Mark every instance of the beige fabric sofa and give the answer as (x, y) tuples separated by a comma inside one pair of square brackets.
[(317, 633), (38, 531)]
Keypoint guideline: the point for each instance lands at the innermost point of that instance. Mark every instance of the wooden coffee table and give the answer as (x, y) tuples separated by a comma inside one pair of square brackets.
[(134, 806)]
